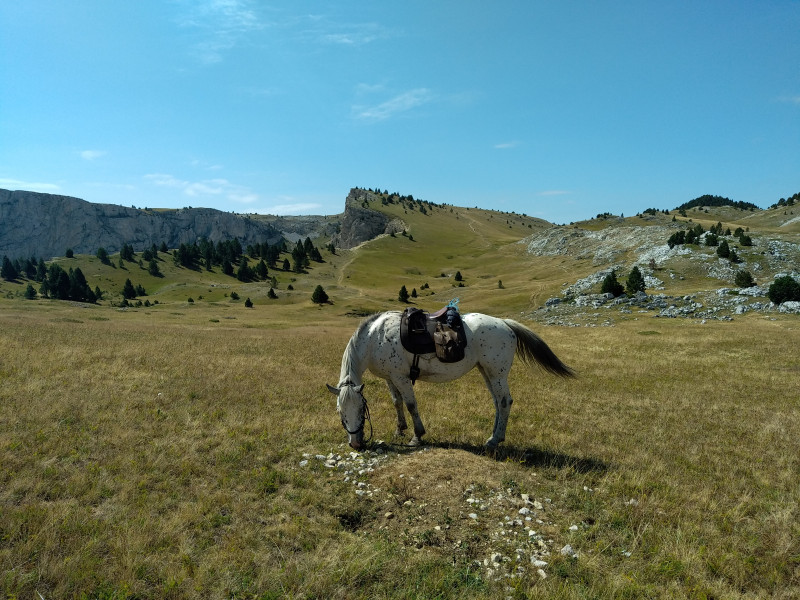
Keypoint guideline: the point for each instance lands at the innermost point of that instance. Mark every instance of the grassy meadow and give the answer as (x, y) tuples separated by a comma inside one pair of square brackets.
[(170, 451)]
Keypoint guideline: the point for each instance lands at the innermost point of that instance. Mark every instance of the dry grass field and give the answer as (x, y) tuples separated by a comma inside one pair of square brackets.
[(171, 452)]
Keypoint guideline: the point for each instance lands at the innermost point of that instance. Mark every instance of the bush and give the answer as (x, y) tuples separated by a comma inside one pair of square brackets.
[(784, 289), (744, 279), (319, 296), (635, 281), (724, 250), (248, 303), (611, 285)]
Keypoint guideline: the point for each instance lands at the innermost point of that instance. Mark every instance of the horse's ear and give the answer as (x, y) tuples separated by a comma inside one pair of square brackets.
[(359, 388), (333, 390)]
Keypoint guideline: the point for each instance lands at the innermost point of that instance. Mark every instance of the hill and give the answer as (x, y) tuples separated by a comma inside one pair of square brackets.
[(46, 225), (501, 263)]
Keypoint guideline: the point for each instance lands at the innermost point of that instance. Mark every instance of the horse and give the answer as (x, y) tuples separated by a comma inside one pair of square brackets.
[(492, 345)]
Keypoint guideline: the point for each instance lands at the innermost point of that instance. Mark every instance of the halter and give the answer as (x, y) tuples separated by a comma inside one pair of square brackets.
[(364, 414)]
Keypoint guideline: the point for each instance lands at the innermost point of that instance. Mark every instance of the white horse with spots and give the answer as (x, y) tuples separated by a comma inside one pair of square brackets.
[(491, 346)]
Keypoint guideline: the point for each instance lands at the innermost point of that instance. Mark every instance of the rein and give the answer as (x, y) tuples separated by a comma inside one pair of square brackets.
[(365, 414)]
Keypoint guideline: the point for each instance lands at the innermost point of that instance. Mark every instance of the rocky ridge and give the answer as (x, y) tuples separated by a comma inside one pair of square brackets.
[(620, 248), (46, 225)]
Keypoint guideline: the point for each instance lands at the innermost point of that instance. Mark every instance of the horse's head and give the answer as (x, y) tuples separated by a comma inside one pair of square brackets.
[(352, 407)]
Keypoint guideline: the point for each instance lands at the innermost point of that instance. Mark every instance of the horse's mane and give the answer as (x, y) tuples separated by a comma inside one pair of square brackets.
[(349, 353)]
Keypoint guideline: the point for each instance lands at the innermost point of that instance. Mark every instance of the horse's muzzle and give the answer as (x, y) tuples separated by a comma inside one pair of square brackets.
[(356, 440)]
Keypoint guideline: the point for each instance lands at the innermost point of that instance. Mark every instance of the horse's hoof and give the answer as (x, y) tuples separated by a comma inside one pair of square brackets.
[(398, 433), (491, 444), (415, 441)]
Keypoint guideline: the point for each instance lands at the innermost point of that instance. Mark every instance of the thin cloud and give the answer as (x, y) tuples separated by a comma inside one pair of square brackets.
[(298, 208), (506, 145), (554, 193), (790, 99), (205, 188), (92, 154), (17, 184), (221, 25), (399, 104)]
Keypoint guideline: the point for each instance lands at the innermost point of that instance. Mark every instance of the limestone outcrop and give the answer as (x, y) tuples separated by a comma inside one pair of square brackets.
[(37, 225)]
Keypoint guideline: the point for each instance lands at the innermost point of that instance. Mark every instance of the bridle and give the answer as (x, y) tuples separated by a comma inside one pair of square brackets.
[(364, 415)]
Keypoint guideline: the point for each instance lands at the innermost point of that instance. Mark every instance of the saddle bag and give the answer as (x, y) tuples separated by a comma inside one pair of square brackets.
[(448, 345)]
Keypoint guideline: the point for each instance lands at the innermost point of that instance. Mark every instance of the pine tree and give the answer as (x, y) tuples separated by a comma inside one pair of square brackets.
[(128, 291), (611, 285), (30, 293), (248, 303), (319, 296), (635, 282), (403, 295), (8, 271)]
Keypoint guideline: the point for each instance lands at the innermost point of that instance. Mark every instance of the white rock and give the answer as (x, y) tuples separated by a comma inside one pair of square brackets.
[(541, 573), (573, 528), (538, 562), (472, 516), (568, 551), (525, 510), (303, 463)]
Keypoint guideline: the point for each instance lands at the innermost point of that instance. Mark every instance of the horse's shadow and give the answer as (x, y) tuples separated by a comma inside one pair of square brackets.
[(527, 457)]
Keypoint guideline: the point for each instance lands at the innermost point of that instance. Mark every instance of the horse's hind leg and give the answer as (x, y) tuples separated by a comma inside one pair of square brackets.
[(397, 398), (501, 394), (405, 391)]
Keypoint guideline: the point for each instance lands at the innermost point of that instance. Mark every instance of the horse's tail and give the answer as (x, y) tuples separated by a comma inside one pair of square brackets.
[(532, 349)]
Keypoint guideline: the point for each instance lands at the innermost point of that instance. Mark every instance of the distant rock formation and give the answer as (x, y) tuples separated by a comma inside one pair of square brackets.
[(360, 224), (40, 225)]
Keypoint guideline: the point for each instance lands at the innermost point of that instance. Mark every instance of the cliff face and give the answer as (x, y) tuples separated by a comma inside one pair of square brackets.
[(361, 224), (45, 225)]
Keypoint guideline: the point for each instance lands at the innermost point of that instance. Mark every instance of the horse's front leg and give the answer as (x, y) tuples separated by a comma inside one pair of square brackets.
[(397, 399), (501, 394), (406, 392)]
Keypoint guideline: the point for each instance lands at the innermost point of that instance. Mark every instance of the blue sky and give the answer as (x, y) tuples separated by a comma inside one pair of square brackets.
[(559, 110)]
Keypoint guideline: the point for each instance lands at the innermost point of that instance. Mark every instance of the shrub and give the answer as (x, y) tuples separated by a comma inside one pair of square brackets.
[(403, 294), (611, 285), (724, 250), (744, 279), (319, 296), (635, 281), (784, 289), (248, 303)]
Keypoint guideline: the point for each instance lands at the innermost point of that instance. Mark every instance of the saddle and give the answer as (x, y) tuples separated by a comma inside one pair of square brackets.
[(441, 332)]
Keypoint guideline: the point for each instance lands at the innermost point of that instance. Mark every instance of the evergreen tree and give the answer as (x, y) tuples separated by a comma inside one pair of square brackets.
[(8, 271), (458, 276), (635, 282), (319, 296), (744, 279), (102, 255), (271, 294), (611, 285), (30, 293), (724, 250), (248, 303), (403, 295), (128, 291), (261, 270), (69, 253), (153, 269), (784, 289)]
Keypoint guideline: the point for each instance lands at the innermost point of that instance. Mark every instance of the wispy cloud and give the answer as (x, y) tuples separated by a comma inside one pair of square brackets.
[(507, 145), (790, 99), (220, 25), (553, 193), (205, 188), (92, 154), (322, 30), (297, 208), (398, 104), (17, 184)]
